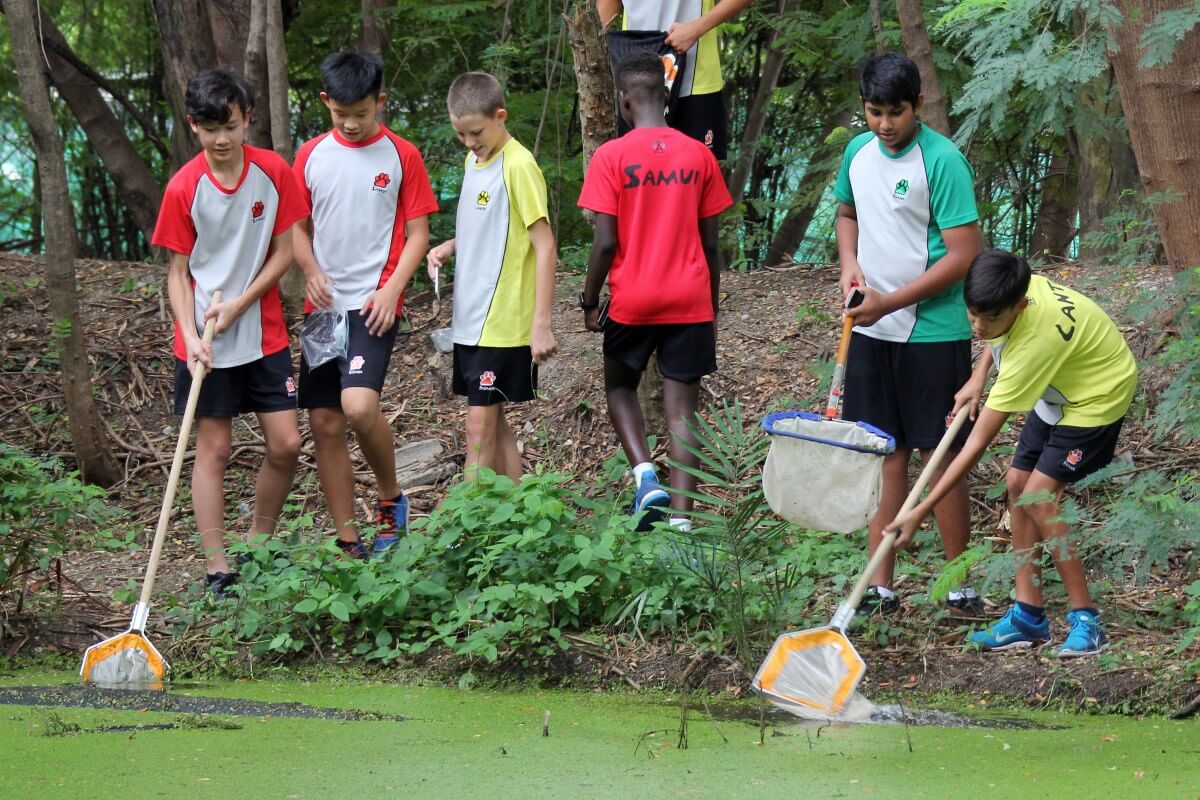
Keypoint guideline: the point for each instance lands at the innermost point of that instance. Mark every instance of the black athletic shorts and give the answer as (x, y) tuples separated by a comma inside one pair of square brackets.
[(906, 388), (686, 353), (365, 365), (259, 387), (490, 375), (1064, 452), (700, 116)]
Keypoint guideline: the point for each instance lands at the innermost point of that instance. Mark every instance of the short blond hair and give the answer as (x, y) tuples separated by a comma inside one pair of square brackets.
[(475, 93)]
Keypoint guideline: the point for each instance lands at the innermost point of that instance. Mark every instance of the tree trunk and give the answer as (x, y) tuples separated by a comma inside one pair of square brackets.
[(254, 67), (877, 28), (277, 80), (916, 44), (794, 227), (597, 96), (186, 40), (1056, 210), (756, 117), (92, 451), (373, 34), (129, 171), (1160, 108)]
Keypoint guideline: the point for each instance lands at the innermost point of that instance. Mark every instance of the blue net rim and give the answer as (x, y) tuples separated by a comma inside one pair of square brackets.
[(771, 420)]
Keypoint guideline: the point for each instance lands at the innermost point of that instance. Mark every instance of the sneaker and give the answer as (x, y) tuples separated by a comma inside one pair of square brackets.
[(354, 550), (651, 501), (874, 603), (392, 518), (967, 604), (1086, 637), (219, 582), (1012, 632)]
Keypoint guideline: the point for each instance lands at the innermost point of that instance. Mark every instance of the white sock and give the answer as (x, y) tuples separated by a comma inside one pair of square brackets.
[(639, 470), (884, 592), (681, 524)]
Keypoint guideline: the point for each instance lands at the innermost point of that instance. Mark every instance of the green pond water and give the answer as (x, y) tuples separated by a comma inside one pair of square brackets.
[(490, 744)]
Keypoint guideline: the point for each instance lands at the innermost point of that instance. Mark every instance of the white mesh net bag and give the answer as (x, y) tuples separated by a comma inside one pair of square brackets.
[(824, 474)]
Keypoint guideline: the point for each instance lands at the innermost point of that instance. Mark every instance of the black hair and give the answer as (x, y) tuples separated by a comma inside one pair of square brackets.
[(475, 93), (996, 280), (211, 92), (641, 74), (349, 76), (890, 80)]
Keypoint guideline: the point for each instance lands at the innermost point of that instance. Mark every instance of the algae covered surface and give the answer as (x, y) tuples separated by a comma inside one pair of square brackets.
[(371, 739)]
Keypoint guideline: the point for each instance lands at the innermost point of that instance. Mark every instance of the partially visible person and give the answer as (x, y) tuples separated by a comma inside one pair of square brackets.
[(691, 27), (1059, 355), (907, 229), (371, 200), (227, 218), (657, 195), (505, 259)]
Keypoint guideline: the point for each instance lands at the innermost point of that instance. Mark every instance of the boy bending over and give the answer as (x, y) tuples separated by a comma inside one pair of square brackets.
[(1059, 354)]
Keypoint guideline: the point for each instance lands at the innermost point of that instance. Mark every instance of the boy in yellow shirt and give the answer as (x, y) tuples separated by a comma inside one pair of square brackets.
[(1060, 355)]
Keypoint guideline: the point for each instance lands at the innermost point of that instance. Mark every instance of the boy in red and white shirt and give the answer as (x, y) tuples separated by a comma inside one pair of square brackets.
[(657, 195), (226, 218), (371, 200)]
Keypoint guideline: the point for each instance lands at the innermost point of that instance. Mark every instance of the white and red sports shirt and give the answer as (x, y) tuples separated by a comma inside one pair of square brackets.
[(361, 194), (226, 235)]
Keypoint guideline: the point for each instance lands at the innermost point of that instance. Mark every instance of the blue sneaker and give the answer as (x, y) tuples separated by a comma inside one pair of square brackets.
[(1012, 632), (1086, 637), (651, 501), (392, 518)]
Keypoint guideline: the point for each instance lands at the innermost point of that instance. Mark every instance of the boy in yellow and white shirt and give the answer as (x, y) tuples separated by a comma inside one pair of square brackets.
[(504, 273), (1059, 355)]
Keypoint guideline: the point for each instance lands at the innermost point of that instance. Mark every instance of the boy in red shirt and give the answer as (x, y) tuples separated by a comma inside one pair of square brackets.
[(657, 195), (226, 217), (371, 202)]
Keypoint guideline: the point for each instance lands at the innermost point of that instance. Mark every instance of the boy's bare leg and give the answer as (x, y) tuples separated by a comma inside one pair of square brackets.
[(214, 436), (361, 408), (334, 468), (281, 430), (508, 457), (891, 498), (482, 434), (1054, 537), (680, 401), (1026, 542), (620, 389), (953, 513)]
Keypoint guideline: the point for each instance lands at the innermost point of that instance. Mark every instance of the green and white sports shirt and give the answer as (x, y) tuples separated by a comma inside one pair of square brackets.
[(904, 201)]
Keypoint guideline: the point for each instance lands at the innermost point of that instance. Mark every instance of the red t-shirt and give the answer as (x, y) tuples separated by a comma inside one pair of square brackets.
[(226, 235), (658, 183), (362, 194)]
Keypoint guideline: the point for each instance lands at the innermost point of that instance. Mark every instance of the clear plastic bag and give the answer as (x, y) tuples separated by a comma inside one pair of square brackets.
[(325, 335)]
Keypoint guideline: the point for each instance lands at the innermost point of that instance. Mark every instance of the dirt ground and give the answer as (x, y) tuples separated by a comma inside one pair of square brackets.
[(777, 333)]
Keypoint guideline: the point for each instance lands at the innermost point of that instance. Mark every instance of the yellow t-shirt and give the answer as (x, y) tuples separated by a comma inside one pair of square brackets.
[(1065, 359), (495, 265)]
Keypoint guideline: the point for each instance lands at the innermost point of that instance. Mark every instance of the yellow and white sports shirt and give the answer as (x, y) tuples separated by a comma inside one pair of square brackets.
[(495, 264), (702, 74)]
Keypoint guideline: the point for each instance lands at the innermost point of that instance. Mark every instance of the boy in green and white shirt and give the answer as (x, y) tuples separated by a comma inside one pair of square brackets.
[(907, 228)]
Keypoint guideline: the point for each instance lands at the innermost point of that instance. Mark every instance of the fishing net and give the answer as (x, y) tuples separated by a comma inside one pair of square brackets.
[(813, 674), (126, 659)]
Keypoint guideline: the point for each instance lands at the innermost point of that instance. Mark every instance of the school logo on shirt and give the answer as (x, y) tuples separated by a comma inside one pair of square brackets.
[(482, 199), (708, 138), (901, 191), (256, 211), (381, 182), (1073, 458), (659, 146), (356, 365), (290, 386), (487, 380)]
